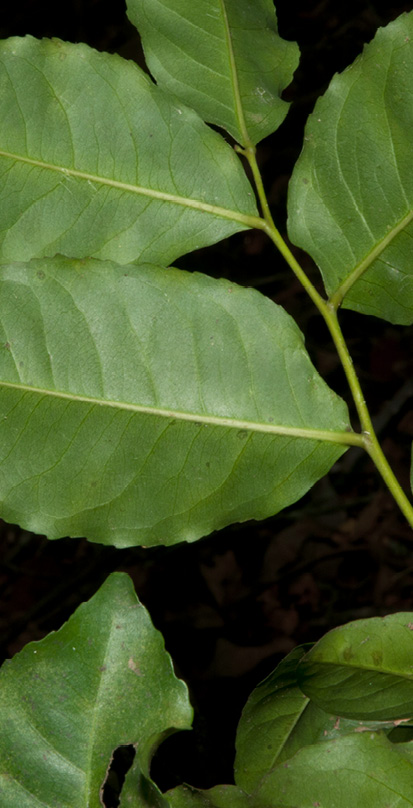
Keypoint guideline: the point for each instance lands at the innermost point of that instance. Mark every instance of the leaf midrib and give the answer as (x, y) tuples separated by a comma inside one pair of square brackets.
[(234, 78), (330, 436), (163, 196), (94, 738)]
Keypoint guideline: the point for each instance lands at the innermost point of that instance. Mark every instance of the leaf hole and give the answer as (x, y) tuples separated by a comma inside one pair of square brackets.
[(119, 766)]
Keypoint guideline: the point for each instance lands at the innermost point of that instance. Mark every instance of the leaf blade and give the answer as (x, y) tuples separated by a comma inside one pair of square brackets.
[(226, 60), (105, 164), (351, 195), (225, 796), (279, 720), (159, 433), (363, 670), (364, 769), (268, 721), (59, 727)]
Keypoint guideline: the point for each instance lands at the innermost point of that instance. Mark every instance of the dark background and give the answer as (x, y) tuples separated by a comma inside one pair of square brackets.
[(232, 605)]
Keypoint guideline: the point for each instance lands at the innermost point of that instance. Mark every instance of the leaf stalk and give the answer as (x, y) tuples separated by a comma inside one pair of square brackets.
[(371, 443), (328, 310)]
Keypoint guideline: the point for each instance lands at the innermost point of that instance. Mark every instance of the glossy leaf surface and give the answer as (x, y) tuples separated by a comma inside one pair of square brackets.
[(68, 701), (363, 669), (144, 406), (224, 58), (95, 160), (362, 771), (351, 194)]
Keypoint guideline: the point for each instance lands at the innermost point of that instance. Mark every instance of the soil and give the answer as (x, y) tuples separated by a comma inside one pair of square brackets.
[(233, 604)]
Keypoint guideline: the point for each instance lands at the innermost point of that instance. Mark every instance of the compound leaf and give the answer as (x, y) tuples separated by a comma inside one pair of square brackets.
[(224, 58), (95, 160), (351, 193), (103, 680), (194, 404)]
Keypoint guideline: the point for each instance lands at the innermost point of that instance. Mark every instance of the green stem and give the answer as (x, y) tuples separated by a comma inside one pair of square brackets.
[(371, 443), (269, 227), (329, 314)]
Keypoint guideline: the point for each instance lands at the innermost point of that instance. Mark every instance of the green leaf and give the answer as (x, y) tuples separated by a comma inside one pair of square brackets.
[(363, 670), (68, 701), (278, 721), (361, 771), (139, 791), (351, 194), (268, 720), (95, 160), (144, 406), (224, 58), (226, 796)]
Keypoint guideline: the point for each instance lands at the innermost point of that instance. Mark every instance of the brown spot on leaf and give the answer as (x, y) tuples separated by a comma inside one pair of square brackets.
[(134, 667)]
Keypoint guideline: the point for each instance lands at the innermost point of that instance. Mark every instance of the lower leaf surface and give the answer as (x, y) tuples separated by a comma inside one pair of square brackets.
[(351, 193), (145, 406)]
